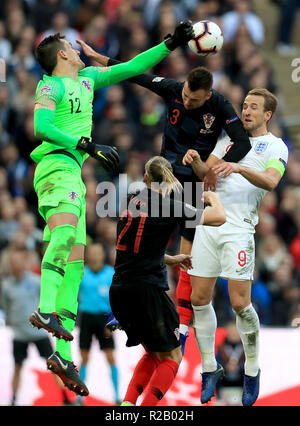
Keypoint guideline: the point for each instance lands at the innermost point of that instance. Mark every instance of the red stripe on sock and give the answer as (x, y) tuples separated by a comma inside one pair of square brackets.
[(160, 382), (183, 295), (141, 377)]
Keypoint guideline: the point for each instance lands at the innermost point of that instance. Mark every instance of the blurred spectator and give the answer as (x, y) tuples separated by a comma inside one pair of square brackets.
[(23, 58), (286, 25), (242, 15), (20, 205), (286, 225), (7, 119), (86, 11), (150, 123), (101, 37), (106, 233), (18, 242), (261, 299), (294, 247), (285, 293), (20, 296), (270, 252), (16, 167), (34, 236), (61, 24), (15, 24), (93, 307), (215, 64), (8, 222), (5, 45), (124, 143), (230, 354), (43, 11)]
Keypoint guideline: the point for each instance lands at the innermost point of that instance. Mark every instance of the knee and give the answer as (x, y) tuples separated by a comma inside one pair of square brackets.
[(174, 355), (238, 304), (198, 299)]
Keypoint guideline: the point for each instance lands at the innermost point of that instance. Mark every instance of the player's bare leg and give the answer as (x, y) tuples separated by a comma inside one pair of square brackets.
[(16, 381), (110, 357), (247, 322)]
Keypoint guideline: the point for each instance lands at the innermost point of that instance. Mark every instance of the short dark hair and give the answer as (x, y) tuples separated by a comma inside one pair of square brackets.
[(46, 52), (271, 101), (200, 78)]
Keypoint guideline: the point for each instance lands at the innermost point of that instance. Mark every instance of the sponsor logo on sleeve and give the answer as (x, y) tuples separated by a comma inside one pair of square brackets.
[(232, 119), (157, 79), (45, 90)]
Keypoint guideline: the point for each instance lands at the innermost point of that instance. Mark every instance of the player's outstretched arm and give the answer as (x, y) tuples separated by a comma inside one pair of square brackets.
[(267, 179), (215, 215), (184, 261), (159, 85), (193, 159), (141, 63)]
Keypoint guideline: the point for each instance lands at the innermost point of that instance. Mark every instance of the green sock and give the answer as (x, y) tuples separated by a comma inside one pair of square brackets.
[(66, 303), (54, 264)]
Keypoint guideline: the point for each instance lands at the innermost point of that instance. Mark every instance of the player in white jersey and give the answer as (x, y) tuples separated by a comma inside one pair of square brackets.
[(229, 251)]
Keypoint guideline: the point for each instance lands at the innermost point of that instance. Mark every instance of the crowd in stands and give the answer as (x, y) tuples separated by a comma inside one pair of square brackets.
[(131, 118)]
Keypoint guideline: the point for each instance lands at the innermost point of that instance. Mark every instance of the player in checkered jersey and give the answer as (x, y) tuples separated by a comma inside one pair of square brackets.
[(229, 251)]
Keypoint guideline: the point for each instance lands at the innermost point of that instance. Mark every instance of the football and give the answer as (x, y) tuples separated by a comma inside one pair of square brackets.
[(208, 38)]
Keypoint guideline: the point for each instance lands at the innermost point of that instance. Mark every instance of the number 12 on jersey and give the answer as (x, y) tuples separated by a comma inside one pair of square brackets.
[(142, 219)]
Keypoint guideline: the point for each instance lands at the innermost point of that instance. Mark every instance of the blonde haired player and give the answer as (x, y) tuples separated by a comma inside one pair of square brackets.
[(229, 251)]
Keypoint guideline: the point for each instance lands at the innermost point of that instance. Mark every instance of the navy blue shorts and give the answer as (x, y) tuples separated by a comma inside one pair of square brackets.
[(94, 325), (146, 314), (20, 349)]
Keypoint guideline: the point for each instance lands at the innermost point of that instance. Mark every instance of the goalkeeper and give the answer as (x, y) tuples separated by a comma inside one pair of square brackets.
[(63, 122)]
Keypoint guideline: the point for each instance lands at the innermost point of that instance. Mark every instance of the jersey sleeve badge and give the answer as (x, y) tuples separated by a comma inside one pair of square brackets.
[(157, 79)]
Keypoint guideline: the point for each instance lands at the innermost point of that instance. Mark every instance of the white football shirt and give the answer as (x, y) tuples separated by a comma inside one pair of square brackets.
[(241, 199)]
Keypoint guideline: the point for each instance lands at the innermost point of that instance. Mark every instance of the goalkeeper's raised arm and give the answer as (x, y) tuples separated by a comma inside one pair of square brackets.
[(63, 108)]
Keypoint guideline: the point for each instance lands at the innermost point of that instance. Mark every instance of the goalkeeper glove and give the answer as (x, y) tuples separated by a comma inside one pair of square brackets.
[(107, 155), (183, 33)]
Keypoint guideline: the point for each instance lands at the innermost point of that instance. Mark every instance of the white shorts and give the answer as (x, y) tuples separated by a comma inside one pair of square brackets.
[(225, 251)]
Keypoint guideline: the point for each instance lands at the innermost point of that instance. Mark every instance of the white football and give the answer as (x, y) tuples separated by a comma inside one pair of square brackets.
[(208, 38)]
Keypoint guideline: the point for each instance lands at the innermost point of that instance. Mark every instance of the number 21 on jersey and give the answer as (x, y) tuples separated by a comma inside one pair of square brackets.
[(137, 241)]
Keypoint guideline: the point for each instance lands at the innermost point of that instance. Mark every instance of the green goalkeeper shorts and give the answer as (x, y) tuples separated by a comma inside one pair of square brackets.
[(60, 189)]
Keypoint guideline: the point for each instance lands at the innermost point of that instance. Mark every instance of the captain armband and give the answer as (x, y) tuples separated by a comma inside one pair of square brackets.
[(279, 165)]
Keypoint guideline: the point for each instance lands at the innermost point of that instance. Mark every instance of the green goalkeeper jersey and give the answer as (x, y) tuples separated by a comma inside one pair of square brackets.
[(64, 107)]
